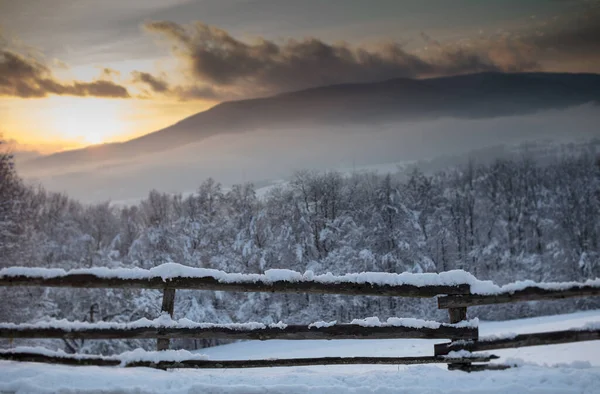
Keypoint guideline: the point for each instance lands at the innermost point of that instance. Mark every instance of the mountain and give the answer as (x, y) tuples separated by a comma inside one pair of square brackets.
[(473, 96), (343, 127)]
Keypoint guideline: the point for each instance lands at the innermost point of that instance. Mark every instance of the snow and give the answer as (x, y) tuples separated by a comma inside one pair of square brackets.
[(165, 321), (124, 358), (467, 323), (587, 326), (486, 288), (565, 368), (410, 322), (321, 324), (155, 357), (465, 354), (53, 353), (497, 337), (170, 271)]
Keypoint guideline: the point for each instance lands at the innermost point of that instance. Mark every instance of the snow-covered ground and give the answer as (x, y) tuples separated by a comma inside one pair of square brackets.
[(568, 368)]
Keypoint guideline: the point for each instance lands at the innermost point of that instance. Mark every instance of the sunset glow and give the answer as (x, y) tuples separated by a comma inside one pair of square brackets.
[(87, 120), (73, 122), (77, 76)]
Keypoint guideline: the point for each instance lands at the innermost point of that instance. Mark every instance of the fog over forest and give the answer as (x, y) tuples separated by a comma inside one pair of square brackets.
[(270, 154)]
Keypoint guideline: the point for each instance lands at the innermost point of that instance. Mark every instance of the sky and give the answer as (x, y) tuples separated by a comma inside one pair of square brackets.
[(81, 72)]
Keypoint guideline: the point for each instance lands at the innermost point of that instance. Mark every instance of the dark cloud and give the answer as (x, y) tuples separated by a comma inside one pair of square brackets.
[(27, 77), (574, 37), (157, 84), (109, 72), (200, 92), (231, 66)]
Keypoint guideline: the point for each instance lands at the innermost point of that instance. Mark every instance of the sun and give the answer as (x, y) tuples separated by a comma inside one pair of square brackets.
[(87, 121), (94, 139)]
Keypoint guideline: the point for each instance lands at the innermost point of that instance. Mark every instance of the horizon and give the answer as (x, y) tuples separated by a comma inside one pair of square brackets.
[(114, 72)]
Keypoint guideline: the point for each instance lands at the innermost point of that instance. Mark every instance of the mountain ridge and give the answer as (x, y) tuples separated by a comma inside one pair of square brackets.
[(482, 95)]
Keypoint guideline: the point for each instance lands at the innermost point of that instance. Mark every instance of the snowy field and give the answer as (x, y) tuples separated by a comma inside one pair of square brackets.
[(569, 368)]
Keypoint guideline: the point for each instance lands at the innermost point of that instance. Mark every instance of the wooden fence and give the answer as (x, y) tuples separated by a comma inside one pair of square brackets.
[(455, 297), (457, 309)]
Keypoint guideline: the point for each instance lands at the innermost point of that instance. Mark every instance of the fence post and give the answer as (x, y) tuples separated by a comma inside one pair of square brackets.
[(456, 316), (168, 304)]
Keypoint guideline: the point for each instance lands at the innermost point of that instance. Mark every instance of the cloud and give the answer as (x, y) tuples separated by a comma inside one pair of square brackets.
[(157, 84), (227, 67), (25, 76), (200, 92), (108, 72), (160, 86), (213, 57), (574, 37)]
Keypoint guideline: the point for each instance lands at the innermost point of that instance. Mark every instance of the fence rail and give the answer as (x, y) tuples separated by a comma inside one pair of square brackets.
[(210, 283), (292, 332), (289, 362), (527, 294), (521, 340)]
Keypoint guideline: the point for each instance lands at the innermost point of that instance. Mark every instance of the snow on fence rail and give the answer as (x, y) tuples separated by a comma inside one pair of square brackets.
[(523, 291), (462, 288), (184, 359), (177, 276), (164, 327), (586, 333)]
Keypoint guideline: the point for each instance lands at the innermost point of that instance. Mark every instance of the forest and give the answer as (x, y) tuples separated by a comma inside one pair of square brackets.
[(528, 216)]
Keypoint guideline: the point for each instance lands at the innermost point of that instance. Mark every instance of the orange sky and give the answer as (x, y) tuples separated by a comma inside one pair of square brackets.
[(59, 64), (63, 122)]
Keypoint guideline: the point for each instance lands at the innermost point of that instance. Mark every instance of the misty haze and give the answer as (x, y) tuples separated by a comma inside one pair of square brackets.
[(250, 156), (332, 128)]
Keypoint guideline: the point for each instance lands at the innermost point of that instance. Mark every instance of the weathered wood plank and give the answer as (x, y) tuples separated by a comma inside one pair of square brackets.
[(210, 283), (168, 306), (64, 360), (521, 340), (528, 294), (477, 367), (200, 364), (457, 315), (71, 360), (294, 332)]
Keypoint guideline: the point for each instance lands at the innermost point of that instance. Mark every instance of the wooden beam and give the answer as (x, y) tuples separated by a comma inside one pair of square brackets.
[(73, 360), (168, 306), (64, 360), (210, 283), (521, 340), (527, 294), (477, 367), (456, 315), (293, 362), (296, 332)]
